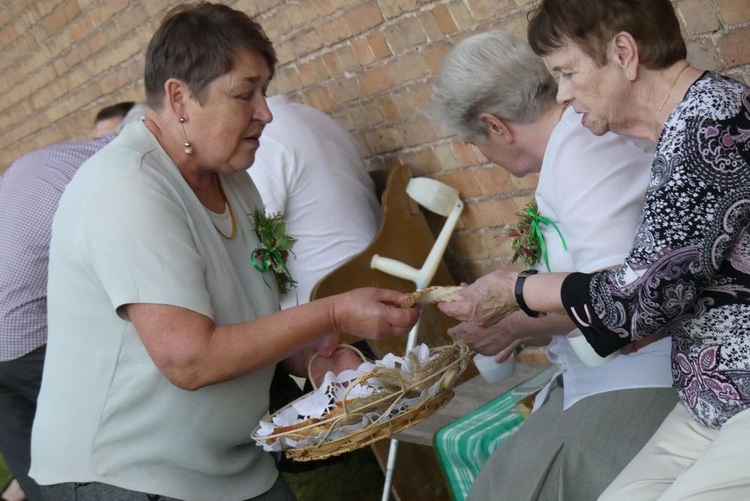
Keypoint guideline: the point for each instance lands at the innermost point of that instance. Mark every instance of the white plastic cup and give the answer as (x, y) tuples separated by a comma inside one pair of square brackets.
[(493, 371), (585, 352)]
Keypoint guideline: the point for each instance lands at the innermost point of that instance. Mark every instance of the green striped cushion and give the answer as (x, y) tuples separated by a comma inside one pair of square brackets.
[(464, 446)]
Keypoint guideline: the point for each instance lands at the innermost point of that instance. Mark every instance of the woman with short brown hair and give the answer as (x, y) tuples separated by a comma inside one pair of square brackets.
[(164, 321)]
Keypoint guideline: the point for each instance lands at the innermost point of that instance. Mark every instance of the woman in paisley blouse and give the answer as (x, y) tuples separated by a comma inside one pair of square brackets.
[(688, 272)]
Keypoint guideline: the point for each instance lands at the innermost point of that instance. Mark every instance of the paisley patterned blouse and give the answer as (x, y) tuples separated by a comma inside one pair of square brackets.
[(689, 268)]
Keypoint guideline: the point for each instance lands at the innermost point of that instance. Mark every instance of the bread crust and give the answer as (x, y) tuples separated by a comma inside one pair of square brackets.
[(434, 294)]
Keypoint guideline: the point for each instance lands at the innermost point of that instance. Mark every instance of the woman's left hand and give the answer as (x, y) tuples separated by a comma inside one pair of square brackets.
[(486, 301)]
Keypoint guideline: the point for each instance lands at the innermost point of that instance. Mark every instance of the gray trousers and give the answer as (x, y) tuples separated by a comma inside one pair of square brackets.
[(95, 491), (20, 380), (573, 455)]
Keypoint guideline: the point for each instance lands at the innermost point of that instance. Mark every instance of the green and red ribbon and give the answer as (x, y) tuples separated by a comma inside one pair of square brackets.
[(528, 240)]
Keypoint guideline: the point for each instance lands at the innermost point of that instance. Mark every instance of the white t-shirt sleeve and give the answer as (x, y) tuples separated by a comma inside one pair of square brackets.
[(600, 187), (143, 252), (272, 175)]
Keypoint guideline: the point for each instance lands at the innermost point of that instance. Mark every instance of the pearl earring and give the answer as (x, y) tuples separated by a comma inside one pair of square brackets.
[(188, 147)]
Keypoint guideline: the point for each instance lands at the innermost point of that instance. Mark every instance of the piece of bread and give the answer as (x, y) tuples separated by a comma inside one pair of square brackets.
[(435, 294)]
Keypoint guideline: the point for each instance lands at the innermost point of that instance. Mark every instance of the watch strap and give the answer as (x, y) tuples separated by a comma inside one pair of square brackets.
[(518, 291)]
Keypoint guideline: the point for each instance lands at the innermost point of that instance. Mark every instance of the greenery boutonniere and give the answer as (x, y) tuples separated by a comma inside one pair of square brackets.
[(528, 242), (275, 246)]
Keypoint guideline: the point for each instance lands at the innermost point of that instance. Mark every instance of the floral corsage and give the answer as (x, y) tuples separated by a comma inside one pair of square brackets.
[(528, 242), (275, 246)]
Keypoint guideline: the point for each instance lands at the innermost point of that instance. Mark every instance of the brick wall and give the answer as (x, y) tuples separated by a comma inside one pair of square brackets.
[(366, 62)]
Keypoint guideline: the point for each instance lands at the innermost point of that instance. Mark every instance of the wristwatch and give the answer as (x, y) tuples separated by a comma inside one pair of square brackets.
[(518, 291)]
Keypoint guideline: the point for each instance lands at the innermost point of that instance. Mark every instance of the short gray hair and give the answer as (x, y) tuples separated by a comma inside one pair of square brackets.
[(493, 72)]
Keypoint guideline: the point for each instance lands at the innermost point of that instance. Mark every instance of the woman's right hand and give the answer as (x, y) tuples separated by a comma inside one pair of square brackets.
[(486, 301), (373, 313)]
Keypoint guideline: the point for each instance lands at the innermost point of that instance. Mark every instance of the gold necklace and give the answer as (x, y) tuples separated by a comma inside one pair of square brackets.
[(674, 82), (231, 214), (562, 111)]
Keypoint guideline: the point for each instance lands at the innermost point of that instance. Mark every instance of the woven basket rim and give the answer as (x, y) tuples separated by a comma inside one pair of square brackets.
[(379, 429)]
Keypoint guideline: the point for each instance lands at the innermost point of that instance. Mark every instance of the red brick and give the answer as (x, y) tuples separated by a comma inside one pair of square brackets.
[(264, 5), (285, 53), (319, 98), (506, 209), (347, 59), (482, 10), (495, 180), (417, 130), (364, 17), (430, 26), (362, 52), (516, 25), (466, 154), (491, 212), (435, 55), (396, 39), (61, 16), (312, 72), (394, 8), (464, 181), (734, 47), (420, 96), (388, 109), (300, 14), (461, 15), (444, 19), (699, 16), (472, 217), (733, 12), (408, 67), (468, 245), (383, 139), (379, 46), (249, 7), (344, 89), (357, 118), (326, 7), (702, 54), (277, 25), (375, 80), (412, 30), (422, 161), (445, 156), (334, 31), (373, 114), (306, 42)]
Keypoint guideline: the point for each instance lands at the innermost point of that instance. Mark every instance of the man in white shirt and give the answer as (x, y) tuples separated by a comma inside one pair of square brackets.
[(496, 94), (310, 170)]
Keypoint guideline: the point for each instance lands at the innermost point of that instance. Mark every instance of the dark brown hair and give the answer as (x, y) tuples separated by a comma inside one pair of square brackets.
[(591, 24), (197, 43), (115, 110)]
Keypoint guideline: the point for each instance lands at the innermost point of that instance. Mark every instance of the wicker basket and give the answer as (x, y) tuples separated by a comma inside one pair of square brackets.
[(434, 382)]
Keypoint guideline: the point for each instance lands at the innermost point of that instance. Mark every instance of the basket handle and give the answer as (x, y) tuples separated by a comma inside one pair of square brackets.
[(315, 355)]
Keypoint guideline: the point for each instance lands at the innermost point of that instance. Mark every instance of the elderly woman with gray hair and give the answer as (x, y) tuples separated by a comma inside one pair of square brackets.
[(163, 335), (495, 93), (688, 271)]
